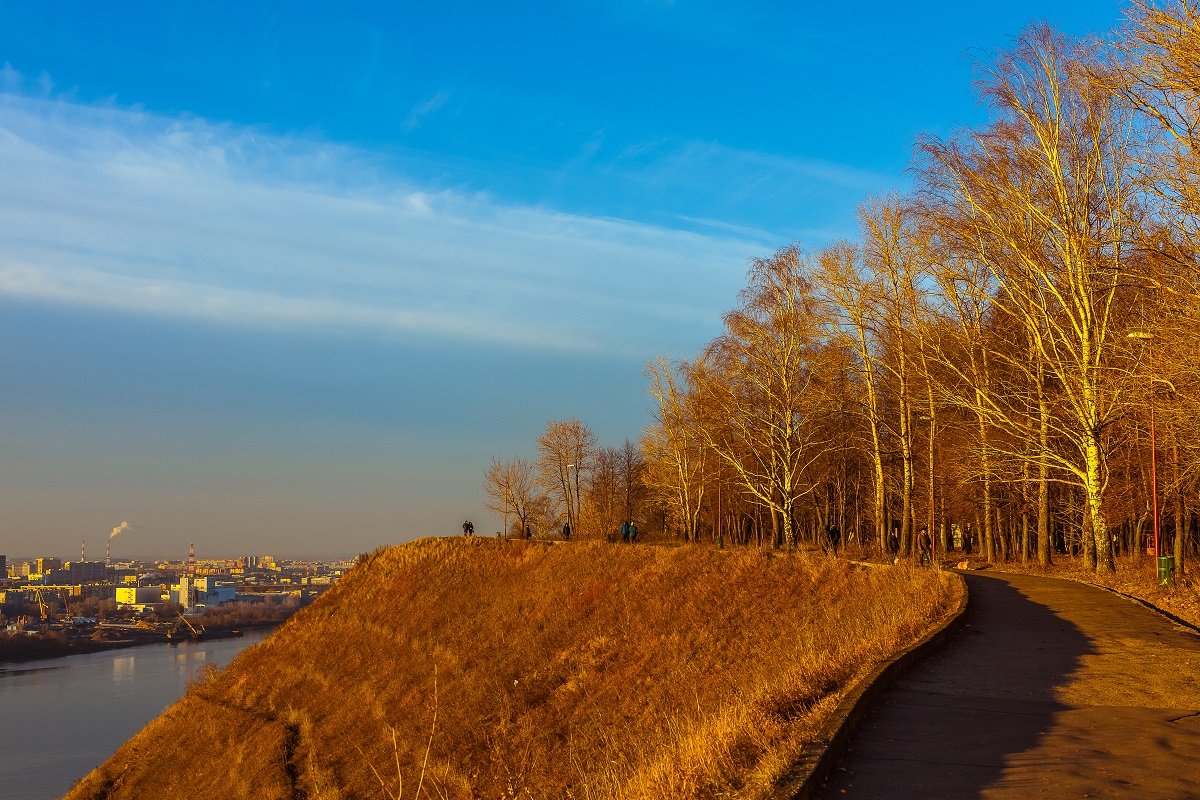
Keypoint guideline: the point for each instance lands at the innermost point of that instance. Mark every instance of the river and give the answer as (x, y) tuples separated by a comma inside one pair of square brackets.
[(61, 717)]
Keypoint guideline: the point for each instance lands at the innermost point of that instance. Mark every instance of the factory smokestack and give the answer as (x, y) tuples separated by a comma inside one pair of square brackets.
[(124, 526)]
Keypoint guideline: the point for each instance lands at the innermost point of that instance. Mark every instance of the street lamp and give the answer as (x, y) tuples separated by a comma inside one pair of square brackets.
[(1148, 338), (570, 520)]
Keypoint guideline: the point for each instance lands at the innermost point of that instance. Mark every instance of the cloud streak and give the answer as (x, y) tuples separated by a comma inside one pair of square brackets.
[(133, 212), (424, 109)]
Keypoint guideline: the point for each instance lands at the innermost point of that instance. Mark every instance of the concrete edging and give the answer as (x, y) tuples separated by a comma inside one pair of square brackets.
[(1180, 621), (819, 756)]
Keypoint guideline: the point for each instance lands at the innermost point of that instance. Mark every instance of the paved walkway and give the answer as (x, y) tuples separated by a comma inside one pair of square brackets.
[(1051, 689)]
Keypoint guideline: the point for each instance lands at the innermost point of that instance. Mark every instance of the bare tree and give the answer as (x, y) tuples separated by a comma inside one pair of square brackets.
[(512, 487), (674, 457), (566, 449), (631, 469), (604, 504), (1043, 200), (854, 325), (761, 391)]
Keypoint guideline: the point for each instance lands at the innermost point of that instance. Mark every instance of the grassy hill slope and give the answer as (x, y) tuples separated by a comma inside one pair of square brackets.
[(461, 668)]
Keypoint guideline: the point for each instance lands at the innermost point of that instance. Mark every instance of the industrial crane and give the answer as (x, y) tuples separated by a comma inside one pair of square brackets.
[(44, 614), (194, 632)]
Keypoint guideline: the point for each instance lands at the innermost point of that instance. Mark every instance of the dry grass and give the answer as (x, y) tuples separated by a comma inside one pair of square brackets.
[(562, 671), (1134, 577)]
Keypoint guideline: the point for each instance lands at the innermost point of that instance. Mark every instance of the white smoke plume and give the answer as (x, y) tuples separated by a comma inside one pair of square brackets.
[(124, 526)]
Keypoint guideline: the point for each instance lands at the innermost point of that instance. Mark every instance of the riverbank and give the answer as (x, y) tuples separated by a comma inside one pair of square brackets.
[(18, 648)]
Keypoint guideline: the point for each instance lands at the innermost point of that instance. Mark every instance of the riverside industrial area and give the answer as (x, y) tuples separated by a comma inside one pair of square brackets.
[(51, 607)]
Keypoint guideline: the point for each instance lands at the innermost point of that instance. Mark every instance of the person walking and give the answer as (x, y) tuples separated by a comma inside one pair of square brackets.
[(625, 531), (924, 547), (893, 542), (834, 536), (632, 532), (566, 531)]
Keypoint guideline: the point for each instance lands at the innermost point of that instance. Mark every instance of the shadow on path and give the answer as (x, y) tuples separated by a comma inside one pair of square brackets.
[(1051, 689), (946, 728)]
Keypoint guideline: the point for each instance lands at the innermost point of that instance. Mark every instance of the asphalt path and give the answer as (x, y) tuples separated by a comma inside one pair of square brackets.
[(1050, 689)]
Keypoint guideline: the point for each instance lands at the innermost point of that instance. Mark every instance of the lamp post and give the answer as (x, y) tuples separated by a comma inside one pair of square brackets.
[(570, 520), (1148, 338)]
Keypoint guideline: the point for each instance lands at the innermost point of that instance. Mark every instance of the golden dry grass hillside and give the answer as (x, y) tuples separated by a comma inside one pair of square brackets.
[(468, 668)]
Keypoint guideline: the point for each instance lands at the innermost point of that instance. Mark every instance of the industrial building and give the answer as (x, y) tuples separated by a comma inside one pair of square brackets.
[(138, 598)]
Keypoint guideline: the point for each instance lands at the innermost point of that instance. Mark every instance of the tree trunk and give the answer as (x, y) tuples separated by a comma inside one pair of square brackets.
[(1087, 538), (1181, 521), (1094, 488), (1043, 519), (1024, 537)]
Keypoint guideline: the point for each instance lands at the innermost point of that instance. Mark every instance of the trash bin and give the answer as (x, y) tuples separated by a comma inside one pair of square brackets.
[(1166, 570)]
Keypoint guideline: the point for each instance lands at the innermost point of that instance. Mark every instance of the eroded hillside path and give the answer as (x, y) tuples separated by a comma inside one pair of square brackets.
[(1051, 689)]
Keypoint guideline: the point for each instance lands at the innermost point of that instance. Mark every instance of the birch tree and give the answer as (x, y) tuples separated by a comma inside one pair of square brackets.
[(761, 388), (1043, 200), (674, 456), (854, 324)]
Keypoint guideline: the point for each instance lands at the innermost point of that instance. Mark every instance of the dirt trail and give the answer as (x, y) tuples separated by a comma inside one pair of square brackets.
[(1051, 689)]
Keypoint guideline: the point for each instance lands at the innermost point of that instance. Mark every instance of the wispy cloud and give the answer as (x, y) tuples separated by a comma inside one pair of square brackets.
[(139, 213), (670, 162), (772, 199), (424, 109)]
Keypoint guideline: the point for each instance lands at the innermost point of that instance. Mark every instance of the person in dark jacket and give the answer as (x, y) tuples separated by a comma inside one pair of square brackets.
[(924, 547), (834, 536)]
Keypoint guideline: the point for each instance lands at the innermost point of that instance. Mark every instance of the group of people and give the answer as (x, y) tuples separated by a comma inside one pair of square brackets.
[(924, 542), (629, 531), (468, 528)]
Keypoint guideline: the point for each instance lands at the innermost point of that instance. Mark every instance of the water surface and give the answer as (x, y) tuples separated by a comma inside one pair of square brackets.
[(62, 717)]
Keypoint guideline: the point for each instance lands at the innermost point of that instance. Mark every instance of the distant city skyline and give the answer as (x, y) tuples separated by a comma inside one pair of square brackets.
[(283, 280)]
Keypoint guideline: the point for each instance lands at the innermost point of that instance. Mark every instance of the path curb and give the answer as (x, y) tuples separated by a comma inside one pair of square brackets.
[(1180, 621), (819, 756)]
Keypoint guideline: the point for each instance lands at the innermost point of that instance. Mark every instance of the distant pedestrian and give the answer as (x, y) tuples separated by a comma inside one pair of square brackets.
[(893, 542), (834, 536), (466, 528), (924, 547), (528, 533), (625, 531), (470, 528), (966, 537), (566, 531), (633, 532)]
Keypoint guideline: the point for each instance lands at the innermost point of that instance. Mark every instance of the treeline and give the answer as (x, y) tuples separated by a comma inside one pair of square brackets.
[(1011, 347), (592, 490)]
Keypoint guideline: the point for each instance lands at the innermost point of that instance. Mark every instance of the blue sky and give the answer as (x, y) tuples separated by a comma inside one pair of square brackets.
[(282, 278)]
